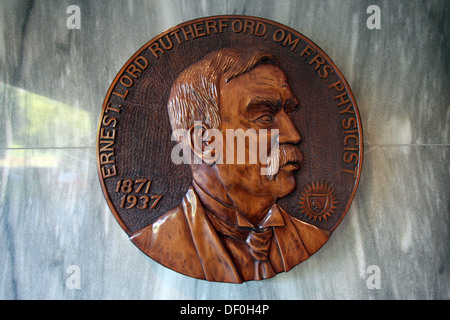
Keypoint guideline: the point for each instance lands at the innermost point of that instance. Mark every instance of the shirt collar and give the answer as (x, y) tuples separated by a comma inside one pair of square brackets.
[(231, 216)]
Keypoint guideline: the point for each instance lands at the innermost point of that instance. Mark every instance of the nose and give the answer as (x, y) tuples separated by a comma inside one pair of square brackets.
[(287, 129)]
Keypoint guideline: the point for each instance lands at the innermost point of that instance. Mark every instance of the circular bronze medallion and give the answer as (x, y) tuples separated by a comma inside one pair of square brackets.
[(229, 148)]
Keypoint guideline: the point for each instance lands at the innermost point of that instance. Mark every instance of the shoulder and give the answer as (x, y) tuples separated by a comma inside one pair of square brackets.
[(166, 228), (312, 237), (168, 241)]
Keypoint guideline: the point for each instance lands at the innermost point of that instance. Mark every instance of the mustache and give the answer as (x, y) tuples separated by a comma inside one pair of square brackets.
[(279, 157), (289, 153)]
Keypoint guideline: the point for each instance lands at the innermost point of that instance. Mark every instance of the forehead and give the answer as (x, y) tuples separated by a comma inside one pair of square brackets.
[(264, 80)]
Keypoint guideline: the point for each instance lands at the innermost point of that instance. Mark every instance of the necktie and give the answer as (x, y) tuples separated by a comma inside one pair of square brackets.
[(259, 241)]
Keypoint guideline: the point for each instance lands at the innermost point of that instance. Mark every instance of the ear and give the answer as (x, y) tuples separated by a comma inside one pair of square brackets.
[(195, 140), (200, 143)]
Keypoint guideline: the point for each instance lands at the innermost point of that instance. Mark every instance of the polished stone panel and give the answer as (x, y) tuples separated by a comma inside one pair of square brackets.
[(52, 212)]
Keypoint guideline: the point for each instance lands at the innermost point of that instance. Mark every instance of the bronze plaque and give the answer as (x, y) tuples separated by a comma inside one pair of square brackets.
[(229, 148)]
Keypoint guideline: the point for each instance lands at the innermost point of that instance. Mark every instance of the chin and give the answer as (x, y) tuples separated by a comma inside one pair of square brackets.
[(283, 184)]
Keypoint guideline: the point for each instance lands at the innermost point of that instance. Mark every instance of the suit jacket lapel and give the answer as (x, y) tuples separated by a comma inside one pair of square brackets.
[(288, 249), (216, 262)]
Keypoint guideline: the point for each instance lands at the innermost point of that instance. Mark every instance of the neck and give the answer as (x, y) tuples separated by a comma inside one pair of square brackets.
[(253, 207)]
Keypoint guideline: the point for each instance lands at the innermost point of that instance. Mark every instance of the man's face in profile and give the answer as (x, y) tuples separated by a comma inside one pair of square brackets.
[(259, 99)]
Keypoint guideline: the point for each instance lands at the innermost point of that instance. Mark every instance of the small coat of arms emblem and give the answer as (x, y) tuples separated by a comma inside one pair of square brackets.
[(318, 201)]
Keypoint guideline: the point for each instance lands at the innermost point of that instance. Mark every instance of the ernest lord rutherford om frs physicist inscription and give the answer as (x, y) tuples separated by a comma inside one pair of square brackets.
[(228, 227)]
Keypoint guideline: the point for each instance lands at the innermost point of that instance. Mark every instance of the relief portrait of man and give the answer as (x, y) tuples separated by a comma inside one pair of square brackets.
[(228, 227)]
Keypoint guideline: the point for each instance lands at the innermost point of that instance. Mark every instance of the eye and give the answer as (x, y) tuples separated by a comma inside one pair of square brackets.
[(266, 119)]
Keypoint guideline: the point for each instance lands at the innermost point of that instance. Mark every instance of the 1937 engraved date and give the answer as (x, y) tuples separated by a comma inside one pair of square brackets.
[(135, 194)]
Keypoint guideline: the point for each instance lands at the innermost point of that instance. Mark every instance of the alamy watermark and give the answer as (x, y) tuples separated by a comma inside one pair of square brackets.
[(74, 20), (73, 282), (374, 20), (374, 280), (201, 144)]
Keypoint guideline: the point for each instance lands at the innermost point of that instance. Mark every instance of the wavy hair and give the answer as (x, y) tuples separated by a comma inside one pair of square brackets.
[(194, 95)]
